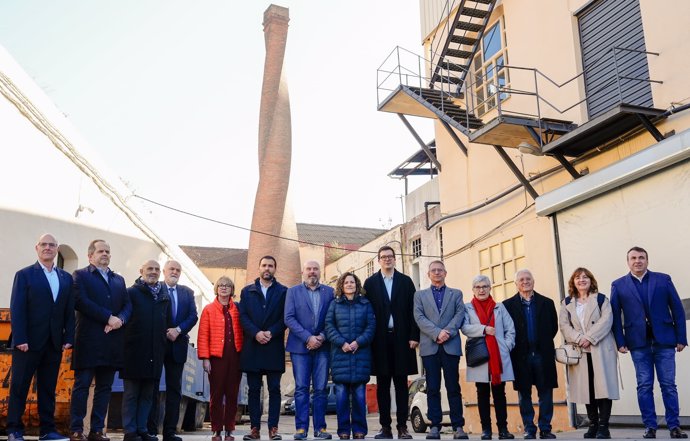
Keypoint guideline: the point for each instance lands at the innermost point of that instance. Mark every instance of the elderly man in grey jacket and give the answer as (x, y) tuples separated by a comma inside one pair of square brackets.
[(439, 313)]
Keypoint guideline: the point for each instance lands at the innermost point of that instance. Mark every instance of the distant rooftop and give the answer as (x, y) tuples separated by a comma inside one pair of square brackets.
[(345, 237)]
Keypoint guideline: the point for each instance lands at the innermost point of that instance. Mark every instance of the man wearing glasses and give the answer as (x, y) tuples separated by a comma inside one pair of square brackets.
[(391, 294), (42, 313)]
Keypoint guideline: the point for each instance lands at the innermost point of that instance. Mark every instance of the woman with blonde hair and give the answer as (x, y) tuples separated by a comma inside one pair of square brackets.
[(585, 320), (219, 346)]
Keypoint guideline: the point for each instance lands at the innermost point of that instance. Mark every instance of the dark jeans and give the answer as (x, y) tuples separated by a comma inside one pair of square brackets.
[(101, 397), (433, 364), (351, 418), (383, 390), (310, 369), (254, 380), (500, 406), (173, 396), (136, 405), (537, 375), (663, 360), (46, 364)]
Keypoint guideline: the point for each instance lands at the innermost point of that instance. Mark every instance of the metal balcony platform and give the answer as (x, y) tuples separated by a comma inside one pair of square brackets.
[(510, 130), (606, 127)]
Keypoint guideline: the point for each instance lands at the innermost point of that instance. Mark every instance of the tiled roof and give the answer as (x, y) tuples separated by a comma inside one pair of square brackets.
[(346, 237), (342, 235), (213, 257)]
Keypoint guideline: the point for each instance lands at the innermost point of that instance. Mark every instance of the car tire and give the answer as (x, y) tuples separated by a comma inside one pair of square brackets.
[(417, 420)]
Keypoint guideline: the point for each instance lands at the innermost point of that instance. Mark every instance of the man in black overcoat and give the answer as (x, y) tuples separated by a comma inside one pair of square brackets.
[(262, 307), (391, 294), (533, 357)]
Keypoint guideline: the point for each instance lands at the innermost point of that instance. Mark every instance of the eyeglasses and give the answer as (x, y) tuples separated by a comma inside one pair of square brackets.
[(387, 257), (47, 245), (222, 285), (482, 287)]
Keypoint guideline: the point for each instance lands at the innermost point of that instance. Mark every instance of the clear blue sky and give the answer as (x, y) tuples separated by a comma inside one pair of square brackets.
[(167, 92)]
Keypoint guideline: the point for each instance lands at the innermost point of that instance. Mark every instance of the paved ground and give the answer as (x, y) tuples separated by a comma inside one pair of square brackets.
[(287, 429)]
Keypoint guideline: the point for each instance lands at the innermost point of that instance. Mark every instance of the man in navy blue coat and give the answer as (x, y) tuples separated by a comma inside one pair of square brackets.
[(263, 352), (649, 321), (183, 317), (306, 305), (42, 314), (103, 307)]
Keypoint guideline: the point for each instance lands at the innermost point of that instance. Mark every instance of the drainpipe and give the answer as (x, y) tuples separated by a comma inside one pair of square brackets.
[(572, 408)]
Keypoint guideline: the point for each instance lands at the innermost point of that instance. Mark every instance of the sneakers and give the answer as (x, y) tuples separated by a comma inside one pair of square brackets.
[(300, 435), (460, 434), (252, 435), (52, 436), (677, 433), (322, 434), (273, 434), (16, 436), (434, 433)]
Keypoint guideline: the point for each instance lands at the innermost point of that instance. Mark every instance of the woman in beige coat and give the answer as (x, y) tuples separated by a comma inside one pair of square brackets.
[(586, 321)]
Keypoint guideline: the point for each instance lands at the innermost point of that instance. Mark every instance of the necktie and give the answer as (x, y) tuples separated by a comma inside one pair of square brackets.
[(174, 304)]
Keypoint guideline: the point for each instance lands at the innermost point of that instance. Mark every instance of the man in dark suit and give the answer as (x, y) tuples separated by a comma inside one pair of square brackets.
[(42, 314), (649, 321), (533, 357), (439, 313), (103, 307), (183, 317), (391, 294), (261, 312), (306, 305)]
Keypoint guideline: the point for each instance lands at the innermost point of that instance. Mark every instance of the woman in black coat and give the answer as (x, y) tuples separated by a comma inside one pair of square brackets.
[(350, 328)]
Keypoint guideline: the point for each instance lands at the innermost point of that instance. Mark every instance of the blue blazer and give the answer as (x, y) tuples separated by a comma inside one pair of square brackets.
[(666, 312), (256, 314), (95, 300), (299, 317), (185, 318), (37, 319)]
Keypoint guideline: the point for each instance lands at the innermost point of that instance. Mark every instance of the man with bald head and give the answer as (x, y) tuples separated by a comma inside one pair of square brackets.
[(145, 337), (306, 305), (42, 314), (183, 317), (533, 357)]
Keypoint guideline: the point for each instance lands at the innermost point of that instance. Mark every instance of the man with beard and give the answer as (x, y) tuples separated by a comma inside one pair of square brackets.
[(145, 347), (263, 353), (42, 309), (183, 317), (306, 305), (102, 306)]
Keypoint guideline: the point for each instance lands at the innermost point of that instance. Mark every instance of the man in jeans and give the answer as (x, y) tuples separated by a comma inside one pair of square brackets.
[(439, 312), (306, 305)]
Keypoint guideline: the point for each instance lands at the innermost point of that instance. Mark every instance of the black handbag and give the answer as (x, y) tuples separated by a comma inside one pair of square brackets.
[(476, 351)]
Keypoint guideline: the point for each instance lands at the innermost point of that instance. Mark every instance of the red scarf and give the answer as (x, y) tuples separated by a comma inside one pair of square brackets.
[(485, 309)]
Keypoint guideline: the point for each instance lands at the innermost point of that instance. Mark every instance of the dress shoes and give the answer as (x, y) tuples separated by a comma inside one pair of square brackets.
[(228, 436), (505, 435), (677, 433), (530, 435), (403, 433), (252, 435), (100, 436), (547, 434), (217, 436), (486, 434), (273, 434), (384, 433), (172, 437), (649, 433), (358, 436), (75, 436), (344, 435)]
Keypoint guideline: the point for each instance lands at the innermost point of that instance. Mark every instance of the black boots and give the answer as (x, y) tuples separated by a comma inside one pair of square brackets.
[(593, 416), (604, 415)]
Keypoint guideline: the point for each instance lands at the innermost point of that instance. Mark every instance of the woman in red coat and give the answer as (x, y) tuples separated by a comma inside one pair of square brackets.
[(219, 346)]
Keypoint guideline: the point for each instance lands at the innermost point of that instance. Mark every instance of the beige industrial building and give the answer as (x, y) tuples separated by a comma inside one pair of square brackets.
[(561, 140)]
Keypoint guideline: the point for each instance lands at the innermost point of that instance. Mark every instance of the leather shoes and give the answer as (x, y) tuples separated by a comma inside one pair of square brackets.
[(384, 433), (649, 433), (546, 434), (677, 433), (253, 434), (273, 434), (76, 436), (358, 436), (505, 435), (97, 436), (530, 435), (172, 437), (344, 435), (403, 433), (486, 434)]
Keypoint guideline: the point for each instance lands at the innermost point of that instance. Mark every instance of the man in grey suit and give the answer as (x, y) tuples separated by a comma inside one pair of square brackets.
[(439, 312)]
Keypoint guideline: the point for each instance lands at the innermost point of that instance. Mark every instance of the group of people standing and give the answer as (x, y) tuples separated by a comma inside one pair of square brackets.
[(352, 332), (94, 313)]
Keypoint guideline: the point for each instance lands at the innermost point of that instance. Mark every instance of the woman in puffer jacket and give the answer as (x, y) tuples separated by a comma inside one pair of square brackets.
[(219, 346), (350, 326)]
